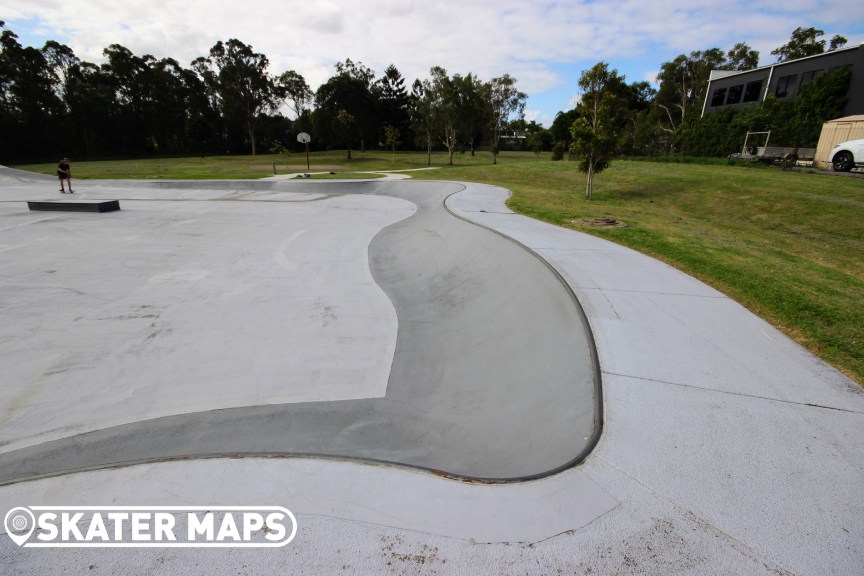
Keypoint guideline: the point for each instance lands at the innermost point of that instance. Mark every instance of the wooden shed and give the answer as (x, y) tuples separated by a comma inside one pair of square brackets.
[(835, 132)]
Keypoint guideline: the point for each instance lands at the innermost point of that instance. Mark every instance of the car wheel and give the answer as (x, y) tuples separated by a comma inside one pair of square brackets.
[(843, 162)]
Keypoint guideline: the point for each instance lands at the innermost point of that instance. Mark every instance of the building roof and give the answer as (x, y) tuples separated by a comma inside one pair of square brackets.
[(857, 118), (717, 74)]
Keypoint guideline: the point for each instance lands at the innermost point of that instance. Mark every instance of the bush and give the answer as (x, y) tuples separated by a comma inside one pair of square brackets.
[(558, 151)]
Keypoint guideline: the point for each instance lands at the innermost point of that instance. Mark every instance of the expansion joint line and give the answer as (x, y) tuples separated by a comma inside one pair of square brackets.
[(731, 393)]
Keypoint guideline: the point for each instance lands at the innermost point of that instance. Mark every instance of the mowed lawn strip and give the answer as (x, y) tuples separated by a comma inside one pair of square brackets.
[(231, 167), (787, 245)]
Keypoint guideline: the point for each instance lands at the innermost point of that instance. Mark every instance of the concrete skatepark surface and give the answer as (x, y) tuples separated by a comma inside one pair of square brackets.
[(726, 448), (468, 394)]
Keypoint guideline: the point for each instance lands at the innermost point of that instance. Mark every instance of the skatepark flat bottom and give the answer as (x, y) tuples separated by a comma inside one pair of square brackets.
[(350, 320)]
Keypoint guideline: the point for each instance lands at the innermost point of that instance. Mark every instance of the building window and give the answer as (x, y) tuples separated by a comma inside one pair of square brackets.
[(719, 97), (785, 86), (735, 93), (753, 91), (808, 77)]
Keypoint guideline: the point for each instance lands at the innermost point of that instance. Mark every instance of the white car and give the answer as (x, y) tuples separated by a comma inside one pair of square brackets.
[(848, 155)]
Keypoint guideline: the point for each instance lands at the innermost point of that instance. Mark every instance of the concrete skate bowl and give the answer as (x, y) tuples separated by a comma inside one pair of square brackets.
[(494, 377)]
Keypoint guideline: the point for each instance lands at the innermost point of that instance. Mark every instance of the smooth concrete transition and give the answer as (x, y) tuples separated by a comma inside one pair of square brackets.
[(494, 375)]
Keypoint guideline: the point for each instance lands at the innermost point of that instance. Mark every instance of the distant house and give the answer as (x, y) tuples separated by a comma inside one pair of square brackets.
[(736, 89)]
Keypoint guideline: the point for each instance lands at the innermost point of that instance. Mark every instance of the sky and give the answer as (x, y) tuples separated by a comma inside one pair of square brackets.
[(544, 44)]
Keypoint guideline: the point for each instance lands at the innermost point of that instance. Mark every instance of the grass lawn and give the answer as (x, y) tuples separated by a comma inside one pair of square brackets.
[(238, 167), (787, 245)]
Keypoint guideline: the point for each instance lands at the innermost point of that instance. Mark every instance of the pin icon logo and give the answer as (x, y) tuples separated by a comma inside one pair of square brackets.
[(19, 523)]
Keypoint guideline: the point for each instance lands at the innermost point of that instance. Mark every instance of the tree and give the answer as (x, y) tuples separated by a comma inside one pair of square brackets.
[(638, 98), (806, 42), (60, 58), (245, 86), (394, 101), (443, 101), (423, 115), (503, 101), (343, 125), (30, 108), (836, 42), (473, 113), (170, 105), (741, 57), (294, 91), (391, 138), (456, 106), (683, 83), (535, 137), (351, 90), (91, 99), (561, 129), (595, 133)]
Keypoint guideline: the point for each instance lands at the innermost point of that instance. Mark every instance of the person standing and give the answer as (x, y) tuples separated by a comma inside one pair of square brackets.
[(64, 174)]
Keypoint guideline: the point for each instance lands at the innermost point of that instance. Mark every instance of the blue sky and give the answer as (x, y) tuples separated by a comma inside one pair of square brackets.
[(544, 44)]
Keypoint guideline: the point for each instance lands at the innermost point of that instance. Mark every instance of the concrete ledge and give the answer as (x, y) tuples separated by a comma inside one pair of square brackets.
[(103, 206)]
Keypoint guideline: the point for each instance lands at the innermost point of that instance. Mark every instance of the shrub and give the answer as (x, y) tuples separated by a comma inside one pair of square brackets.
[(558, 151)]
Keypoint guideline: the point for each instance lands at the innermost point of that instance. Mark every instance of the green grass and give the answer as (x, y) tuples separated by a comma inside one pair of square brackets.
[(787, 245), (242, 167)]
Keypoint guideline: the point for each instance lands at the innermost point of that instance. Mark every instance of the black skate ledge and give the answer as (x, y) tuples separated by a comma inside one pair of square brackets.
[(53, 205)]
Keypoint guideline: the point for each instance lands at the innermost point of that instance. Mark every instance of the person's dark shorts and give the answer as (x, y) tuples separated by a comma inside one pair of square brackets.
[(62, 176)]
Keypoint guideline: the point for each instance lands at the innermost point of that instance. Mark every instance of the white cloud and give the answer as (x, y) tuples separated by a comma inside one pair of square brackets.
[(542, 44)]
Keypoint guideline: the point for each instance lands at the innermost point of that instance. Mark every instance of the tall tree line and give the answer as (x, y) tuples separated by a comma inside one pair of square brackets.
[(229, 101), (52, 103)]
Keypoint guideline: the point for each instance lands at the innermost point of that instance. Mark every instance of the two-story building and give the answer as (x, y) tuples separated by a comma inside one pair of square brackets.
[(785, 80)]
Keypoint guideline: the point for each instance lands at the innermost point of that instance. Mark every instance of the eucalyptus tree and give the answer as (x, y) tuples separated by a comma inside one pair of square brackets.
[(741, 57), (31, 110), (241, 78), (602, 112), (423, 115), (503, 101), (343, 127), (391, 138), (474, 111), (295, 92), (90, 97), (806, 42), (60, 59), (457, 108), (134, 99), (683, 83), (443, 97), (171, 105)]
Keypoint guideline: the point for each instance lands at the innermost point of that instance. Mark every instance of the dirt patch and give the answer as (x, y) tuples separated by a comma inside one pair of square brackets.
[(603, 222)]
